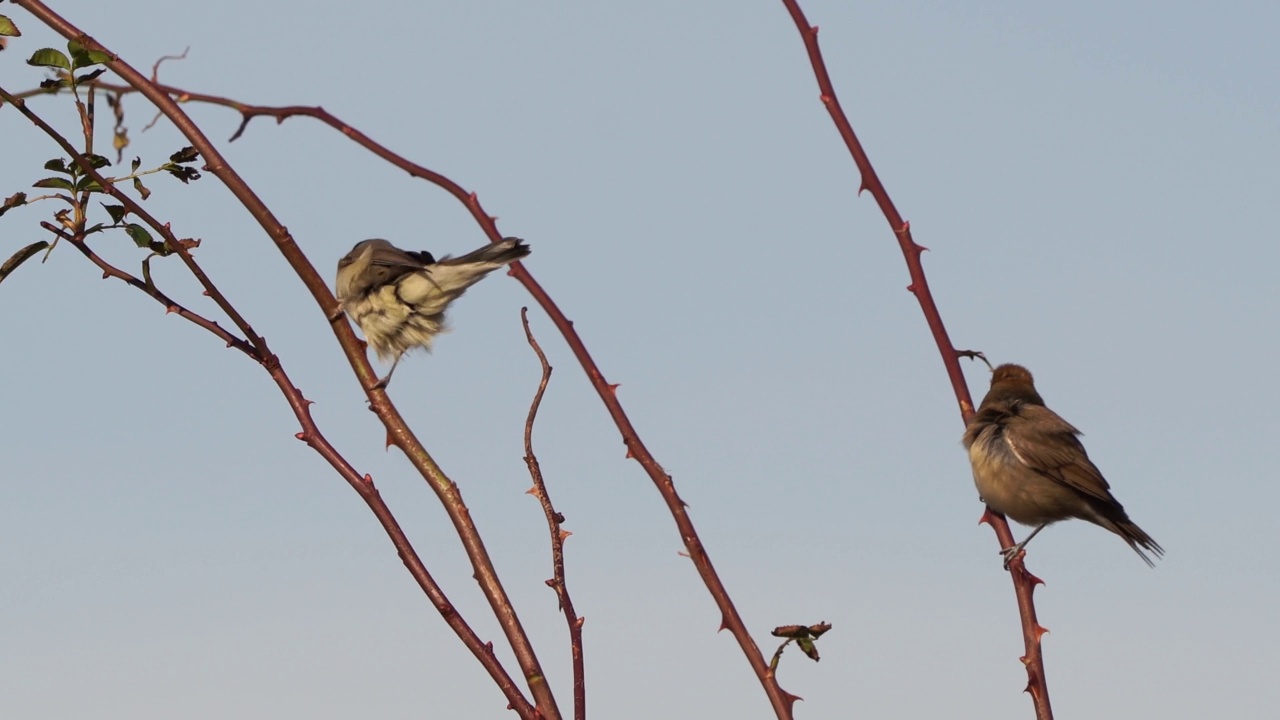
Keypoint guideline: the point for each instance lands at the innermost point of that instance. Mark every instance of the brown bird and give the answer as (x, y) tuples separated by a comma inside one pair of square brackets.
[(1029, 465)]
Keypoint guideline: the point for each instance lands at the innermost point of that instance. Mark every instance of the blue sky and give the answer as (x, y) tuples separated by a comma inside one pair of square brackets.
[(1092, 180)]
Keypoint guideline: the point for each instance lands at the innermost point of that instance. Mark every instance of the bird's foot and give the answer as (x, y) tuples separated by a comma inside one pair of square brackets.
[(1010, 553)]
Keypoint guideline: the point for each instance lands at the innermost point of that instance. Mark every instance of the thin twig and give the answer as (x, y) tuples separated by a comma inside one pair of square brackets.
[(558, 534)]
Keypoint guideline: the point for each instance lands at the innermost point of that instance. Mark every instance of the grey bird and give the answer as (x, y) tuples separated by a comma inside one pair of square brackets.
[(398, 297), (1029, 464)]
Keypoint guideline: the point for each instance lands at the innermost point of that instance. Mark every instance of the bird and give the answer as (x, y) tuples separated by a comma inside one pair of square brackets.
[(398, 297), (1029, 464)]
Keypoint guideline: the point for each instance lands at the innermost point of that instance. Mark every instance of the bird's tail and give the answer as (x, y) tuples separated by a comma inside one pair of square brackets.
[(430, 290), (503, 252), (1138, 539)]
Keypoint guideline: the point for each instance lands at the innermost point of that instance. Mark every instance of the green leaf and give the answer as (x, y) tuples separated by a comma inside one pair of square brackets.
[(142, 189), (808, 648), (139, 234), (85, 58), (13, 201), (20, 257), (117, 212), (8, 28), (88, 184), (49, 57), (58, 165), (97, 161), (54, 183)]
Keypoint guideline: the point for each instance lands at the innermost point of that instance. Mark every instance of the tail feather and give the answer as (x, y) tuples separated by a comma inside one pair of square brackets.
[(431, 289), (503, 252), (1139, 540)]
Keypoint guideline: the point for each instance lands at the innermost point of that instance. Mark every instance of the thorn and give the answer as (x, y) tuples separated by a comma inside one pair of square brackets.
[(229, 343), (724, 623), (550, 582), (564, 534), (170, 309), (911, 288), (472, 199), (813, 29), (301, 436), (368, 479), (390, 442), (579, 622), (613, 387), (205, 293), (629, 455), (682, 553), (1040, 631), (987, 517), (862, 187), (921, 249), (105, 275), (307, 402), (532, 491), (492, 218)]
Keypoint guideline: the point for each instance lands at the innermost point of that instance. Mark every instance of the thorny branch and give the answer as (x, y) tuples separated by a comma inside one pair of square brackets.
[(301, 406), (1023, 582), (398, 433), (555, 522)]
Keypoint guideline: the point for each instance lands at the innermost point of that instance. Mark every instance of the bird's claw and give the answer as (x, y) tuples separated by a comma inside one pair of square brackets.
[(1011, 553)]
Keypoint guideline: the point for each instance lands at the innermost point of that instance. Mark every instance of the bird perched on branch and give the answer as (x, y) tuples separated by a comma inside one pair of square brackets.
[(1029, 464), (398, 297)]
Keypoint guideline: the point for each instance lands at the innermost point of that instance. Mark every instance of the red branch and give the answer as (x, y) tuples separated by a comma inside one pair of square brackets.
[(1023, 582)]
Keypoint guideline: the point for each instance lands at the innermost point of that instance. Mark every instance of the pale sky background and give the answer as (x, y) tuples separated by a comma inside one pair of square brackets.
[(1095, 182)]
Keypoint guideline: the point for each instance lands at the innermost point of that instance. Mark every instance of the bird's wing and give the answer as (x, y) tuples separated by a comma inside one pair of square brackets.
[(1046, 443), (388, 255)]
